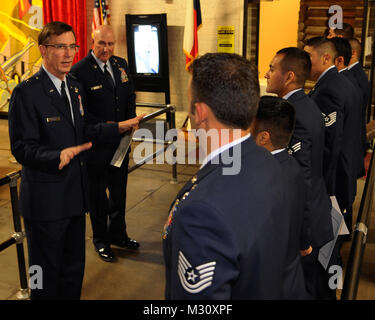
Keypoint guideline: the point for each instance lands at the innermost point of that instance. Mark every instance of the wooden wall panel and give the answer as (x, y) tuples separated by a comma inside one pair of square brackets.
[(314, 17)]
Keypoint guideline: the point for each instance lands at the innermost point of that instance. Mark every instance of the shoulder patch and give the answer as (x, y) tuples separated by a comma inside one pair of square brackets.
[(294, 148), (330, 119), (195, 279)]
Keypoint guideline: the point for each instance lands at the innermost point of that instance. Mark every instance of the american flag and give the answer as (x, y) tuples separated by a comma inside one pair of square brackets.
[(193, 21), (101, 14)]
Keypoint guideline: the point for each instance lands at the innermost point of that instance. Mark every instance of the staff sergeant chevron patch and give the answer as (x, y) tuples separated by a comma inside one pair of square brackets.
[(294, 148), (195, 279), (330, 119)]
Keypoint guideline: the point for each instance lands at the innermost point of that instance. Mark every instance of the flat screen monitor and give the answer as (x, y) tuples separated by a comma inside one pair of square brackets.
[(146, 47), (148, 51)]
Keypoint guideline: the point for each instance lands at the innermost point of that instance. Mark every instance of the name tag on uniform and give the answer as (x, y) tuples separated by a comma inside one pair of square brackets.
[(96, 87), (53, 119)]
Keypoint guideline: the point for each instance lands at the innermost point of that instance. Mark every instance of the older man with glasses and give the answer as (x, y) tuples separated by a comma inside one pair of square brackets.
[(48, 136), (109, 90)]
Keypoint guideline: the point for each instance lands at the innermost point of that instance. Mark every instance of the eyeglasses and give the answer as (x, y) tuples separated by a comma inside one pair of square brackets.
[(63, 47)]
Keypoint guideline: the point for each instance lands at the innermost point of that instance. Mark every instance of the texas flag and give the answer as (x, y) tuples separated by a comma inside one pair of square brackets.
[(193, 21)]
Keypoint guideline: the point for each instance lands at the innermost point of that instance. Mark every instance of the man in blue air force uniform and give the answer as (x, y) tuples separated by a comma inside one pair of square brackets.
[(109, 91), (352, 123), (225, 237), (356, 69), (286, 77), (272, 129), (47, 134)]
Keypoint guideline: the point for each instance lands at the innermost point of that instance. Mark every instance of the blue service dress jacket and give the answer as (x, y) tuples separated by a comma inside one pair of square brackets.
[(105, 102), (307, 147), (226, 236), (40, 126), (358, 152), (346, 175), (362, 80), (295, 201), (331, 97)]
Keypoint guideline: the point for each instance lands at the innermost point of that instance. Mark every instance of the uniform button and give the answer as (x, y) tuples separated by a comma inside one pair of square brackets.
[(81, 164), (118, 109)]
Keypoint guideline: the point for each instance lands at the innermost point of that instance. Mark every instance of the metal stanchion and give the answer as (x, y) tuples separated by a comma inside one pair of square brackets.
[(18, 236), (7, 243), (171, 116), (170, 112), (357, 249)]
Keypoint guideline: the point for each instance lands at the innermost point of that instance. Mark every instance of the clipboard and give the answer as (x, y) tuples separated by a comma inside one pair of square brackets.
[(122, 149)]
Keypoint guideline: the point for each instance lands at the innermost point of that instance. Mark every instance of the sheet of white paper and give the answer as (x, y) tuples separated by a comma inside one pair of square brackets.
[(339, 228), (335, 204), (122, 149), (343, 227), (325, 251)]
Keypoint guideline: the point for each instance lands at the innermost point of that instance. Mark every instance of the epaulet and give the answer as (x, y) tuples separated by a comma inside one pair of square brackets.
[(30, 81), (118, 60), (72, 77)]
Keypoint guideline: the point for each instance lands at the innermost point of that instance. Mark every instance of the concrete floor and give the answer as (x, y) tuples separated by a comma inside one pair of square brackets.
[(136, 275)]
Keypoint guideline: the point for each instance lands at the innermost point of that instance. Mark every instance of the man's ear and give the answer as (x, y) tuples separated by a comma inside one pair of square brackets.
[(262, 138), (42, 50), (355, 53), (326, 58), (201, 112), (290, 77), (340, 60)]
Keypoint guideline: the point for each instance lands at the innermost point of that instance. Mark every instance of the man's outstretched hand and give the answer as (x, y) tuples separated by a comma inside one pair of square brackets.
[(68, 154), (129, 124)]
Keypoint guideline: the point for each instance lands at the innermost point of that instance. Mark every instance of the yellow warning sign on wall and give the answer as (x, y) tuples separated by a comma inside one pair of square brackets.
[(225, 39)]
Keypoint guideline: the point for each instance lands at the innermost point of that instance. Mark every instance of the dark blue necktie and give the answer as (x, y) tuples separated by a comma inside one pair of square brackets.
[(108, 75), (65, 98)]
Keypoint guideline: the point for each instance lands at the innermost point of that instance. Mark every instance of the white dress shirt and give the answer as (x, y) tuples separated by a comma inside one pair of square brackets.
[(57, 82), (216, 152)]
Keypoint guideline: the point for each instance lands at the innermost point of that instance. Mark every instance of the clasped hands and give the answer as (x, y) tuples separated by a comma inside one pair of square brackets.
[(69, 153)]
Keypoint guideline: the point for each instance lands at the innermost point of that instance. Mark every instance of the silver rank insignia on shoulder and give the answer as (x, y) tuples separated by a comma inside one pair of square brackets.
[(330, 119), (295, 148), (195, 279)]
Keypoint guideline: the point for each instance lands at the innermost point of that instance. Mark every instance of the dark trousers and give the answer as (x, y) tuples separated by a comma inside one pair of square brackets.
[(348, 217), (58, 248), (107, 212), (316, 277)]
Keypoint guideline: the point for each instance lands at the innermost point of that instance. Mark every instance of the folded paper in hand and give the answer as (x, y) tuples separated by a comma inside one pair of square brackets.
[(122, 149), (339, 228)]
